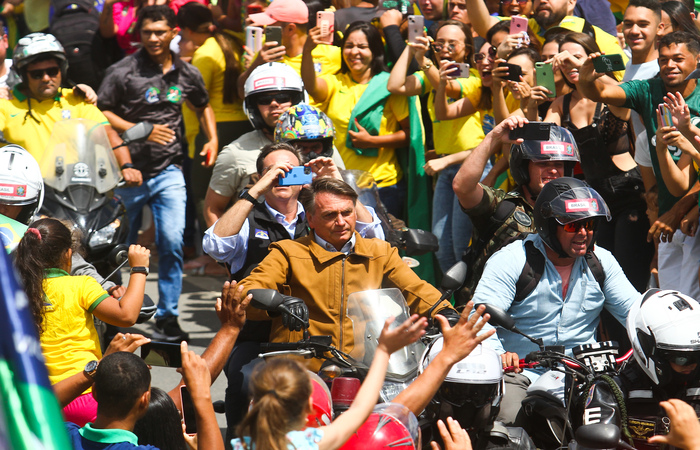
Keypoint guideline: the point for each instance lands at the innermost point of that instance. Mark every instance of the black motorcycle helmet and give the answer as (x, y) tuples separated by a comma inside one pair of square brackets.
[(561, 146), (563, 201)]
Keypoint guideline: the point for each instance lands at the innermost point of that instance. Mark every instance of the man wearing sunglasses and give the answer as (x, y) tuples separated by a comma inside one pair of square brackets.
[(39, 100), (271, 89), (569, 283), (153, 85)]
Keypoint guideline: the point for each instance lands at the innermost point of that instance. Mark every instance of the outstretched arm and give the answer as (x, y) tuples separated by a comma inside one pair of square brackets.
[(459, 341), (335, 434), (592, 87), (466, 182), (479, 16)]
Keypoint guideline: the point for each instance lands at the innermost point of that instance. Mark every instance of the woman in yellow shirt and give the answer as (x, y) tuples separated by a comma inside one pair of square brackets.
[(453, 139), (367, 143)]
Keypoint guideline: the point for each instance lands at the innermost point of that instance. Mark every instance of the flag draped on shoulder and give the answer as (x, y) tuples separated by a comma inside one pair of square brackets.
[(30, 417)]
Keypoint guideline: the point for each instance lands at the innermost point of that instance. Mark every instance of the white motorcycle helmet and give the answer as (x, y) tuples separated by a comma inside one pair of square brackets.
[(473, 387), (267, 79), (36, 47), (664, 328), (21, 183)]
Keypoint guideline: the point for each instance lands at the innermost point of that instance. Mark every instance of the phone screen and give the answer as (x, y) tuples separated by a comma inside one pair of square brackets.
[(163, 354), (188, 415)]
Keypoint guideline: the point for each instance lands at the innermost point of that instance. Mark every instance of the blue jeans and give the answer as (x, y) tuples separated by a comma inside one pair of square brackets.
[(451, 225), (166, 196)]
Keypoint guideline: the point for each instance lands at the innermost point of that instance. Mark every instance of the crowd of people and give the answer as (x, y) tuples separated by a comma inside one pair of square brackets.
[(552, 145)]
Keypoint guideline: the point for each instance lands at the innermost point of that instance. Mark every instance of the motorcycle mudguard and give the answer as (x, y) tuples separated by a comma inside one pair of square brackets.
[(545, 421)]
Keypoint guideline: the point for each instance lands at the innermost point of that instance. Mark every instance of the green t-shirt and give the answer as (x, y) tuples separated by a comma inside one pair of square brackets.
[(644, 96)]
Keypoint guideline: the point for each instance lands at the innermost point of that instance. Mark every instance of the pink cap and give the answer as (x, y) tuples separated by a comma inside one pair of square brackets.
[(289, 11)]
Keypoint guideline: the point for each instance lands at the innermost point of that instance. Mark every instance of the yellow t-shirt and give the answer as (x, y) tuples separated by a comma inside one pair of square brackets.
[(326, 60), (464, 133), (21, 129), (69, 340), (343, 95), (210, 60)]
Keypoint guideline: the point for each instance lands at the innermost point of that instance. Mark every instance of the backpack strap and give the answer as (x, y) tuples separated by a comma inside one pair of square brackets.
[(596, 269), (531, 274), (534, 269)]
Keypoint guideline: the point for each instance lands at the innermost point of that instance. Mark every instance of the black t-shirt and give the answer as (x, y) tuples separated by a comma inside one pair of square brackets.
[(136, 89)]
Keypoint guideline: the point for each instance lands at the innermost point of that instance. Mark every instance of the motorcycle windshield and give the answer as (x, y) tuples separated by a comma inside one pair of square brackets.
[(79, 153), (368, 310)]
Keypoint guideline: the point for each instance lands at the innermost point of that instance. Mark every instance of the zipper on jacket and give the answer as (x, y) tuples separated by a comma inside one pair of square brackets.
[(342, 302)]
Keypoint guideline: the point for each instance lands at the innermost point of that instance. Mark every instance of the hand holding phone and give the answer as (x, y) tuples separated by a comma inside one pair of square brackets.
[(188, 414), (298, 176), (325, 20), (608, 63), (253, 38), (545, 78), (273, 33), (666, 117), (532, 131), (514, 72), (518, 25), (163, 354), (459, 70), (415, 27)]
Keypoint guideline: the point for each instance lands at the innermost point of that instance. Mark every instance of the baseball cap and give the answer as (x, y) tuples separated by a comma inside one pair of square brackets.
[(572, 23), (289, 11)]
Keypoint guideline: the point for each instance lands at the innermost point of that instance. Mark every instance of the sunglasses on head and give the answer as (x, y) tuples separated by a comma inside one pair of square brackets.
[(38, 74), (279, 98), (481, 56), (573, 227)]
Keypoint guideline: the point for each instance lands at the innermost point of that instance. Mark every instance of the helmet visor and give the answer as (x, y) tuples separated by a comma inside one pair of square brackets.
[(680, 358), (576, 204), (459, 394)]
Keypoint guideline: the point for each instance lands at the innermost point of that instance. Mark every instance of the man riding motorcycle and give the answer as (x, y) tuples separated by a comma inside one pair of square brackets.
[(664, 328)]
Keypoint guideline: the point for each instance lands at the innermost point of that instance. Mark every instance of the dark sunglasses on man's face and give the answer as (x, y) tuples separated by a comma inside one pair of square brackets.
[(279, 98), (38, 74)]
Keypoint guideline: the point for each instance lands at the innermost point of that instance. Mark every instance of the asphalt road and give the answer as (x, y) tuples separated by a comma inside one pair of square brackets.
[(197, 317)]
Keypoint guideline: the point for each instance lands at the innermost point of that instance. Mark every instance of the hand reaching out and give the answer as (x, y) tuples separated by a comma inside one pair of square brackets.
[(685, 428), (679, 111), (195, 372), (231, 306), (406, 333), (456, 438), (461, 339), (324, 167)]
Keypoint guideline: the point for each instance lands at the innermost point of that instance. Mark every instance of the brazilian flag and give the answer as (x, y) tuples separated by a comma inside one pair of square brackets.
[(30, 418), (11, 232)]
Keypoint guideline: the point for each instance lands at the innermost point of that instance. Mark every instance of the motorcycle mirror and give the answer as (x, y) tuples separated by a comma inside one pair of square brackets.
[(600, 435), (419, 242), (137, 133), (266, 299), (499, 317), (454, 277), (119, 254)]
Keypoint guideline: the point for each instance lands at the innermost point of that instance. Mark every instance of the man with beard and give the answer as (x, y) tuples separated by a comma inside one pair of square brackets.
[(678, 54), (549, 14)]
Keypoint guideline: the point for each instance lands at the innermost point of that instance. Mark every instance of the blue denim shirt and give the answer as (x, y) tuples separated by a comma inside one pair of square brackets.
[(544, 314), (234, 249)]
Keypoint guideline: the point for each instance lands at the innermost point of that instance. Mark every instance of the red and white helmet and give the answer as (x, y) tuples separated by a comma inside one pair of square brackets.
[(322, 413), (269, 78), (21, 183), (390, 426)]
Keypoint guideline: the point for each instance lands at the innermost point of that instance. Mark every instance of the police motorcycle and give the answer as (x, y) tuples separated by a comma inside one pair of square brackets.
[(552, 405), (80, 173)]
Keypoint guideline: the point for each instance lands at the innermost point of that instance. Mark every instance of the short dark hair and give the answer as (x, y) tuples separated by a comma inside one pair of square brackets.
[(269, 148), (374, 39), (329, 185), (120, 380), (527, 51), (681, 37), (155, 13), (653, 5)]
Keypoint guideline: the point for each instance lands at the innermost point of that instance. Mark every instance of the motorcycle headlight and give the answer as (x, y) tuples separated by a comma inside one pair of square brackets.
[(104, 235), (391, 389)]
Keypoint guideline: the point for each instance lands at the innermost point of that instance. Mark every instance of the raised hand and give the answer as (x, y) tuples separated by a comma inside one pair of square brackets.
[(231, 306), (680, 112), (454, 438), (461, 339), (685, 428), (406, 333)]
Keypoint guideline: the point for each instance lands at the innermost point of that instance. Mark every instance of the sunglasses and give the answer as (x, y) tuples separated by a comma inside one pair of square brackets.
[(481, 56), (679, 358), (38, 74), (573, 227), (279, 98), (520, 2)]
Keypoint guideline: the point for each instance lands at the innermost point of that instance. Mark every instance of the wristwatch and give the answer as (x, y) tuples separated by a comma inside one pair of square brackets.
[(127, 166), (140, 269), (91, 368), (246, 196)]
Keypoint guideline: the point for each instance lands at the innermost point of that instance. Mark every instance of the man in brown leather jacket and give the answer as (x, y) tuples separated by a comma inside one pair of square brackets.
[(334, 261)]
